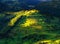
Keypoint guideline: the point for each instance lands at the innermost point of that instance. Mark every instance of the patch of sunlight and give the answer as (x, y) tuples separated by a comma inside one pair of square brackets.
[(44, 42), (57, 41), (29, 22), (28, 13), (37, 27), (48, 42), (19, 14), (13, 20)]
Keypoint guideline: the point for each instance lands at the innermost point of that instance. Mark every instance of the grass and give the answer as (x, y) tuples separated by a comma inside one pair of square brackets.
[(37, 27)]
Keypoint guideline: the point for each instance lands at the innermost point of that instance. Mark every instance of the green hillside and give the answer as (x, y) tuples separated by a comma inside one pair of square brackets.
[(29, 27)]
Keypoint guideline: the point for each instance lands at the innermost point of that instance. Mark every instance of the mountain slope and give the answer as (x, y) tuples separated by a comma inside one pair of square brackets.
[(29, 28)]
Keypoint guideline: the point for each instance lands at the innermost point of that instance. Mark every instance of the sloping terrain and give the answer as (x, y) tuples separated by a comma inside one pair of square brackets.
[(29, 27)]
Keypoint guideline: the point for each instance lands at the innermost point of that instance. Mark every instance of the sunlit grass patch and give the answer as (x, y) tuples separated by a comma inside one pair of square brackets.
[(37, 26), (13, 20), (19, 14), (43, 42), (57, 41), (29, 12), (48, 42), (29, 22)]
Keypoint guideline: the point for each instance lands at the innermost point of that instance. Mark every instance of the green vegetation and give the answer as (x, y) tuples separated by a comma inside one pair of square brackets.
[(45, 28)]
